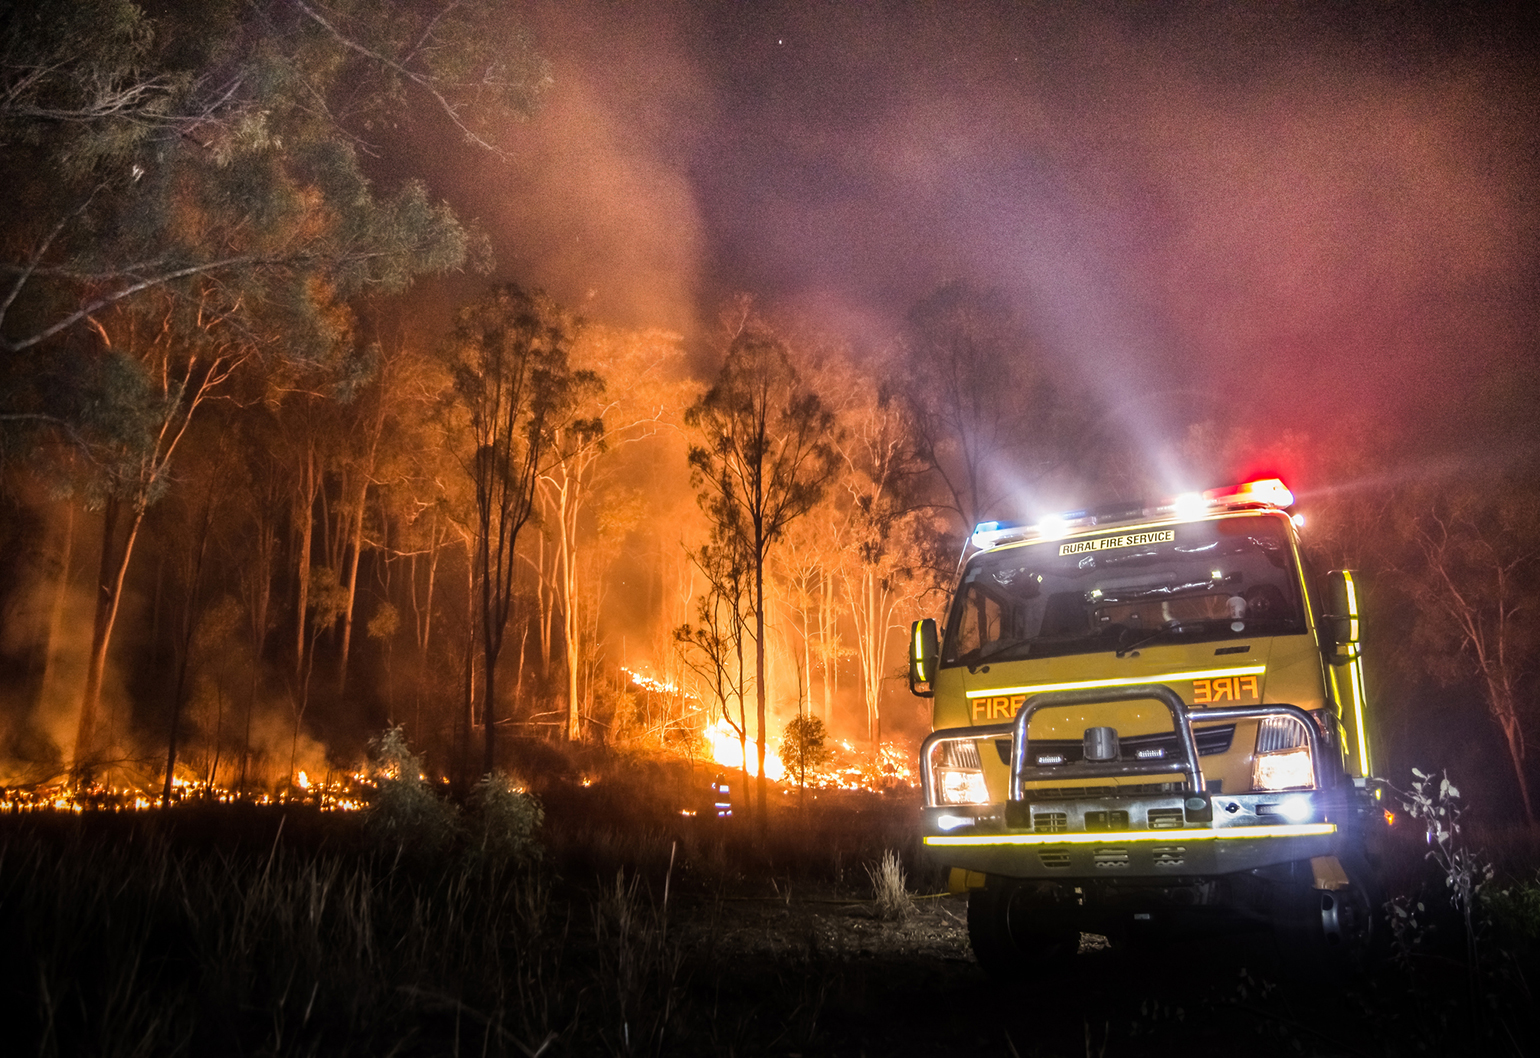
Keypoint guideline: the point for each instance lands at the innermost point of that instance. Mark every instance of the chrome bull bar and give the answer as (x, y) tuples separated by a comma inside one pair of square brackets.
[(1182, 719)]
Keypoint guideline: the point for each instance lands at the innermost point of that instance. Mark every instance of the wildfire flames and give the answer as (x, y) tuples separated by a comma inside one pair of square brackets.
[(852, 768), (728, 752)]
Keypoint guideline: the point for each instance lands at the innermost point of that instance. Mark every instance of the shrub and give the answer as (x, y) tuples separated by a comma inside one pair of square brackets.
[(405, 814), (505, 819), (803, 744)]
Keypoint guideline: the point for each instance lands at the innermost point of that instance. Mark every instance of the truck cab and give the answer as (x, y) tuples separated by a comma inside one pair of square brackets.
[(1148, 716)]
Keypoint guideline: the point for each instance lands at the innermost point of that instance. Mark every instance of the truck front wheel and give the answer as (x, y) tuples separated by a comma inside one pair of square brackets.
[(1335, 933), (1018, 931)]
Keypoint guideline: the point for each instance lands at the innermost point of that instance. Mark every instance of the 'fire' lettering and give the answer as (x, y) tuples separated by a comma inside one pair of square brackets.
[(1249, 684), (1223, 689), (1202, 692)]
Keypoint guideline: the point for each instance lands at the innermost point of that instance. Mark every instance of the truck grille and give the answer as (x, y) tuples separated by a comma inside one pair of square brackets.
[(1109, 858), (1162, 746), (1053, 857), (1165, 818), (1050, 822), (1071, 793), (1169, 855)]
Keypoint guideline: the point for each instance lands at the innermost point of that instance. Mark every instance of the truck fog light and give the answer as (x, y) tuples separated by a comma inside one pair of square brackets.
[(958, 786), (1288, 769), (1296, 809)]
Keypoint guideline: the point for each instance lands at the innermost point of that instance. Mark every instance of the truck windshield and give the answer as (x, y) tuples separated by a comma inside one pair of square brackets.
[(1228, 578)]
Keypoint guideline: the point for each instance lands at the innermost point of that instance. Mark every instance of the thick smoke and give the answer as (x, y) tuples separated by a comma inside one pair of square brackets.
[(1297, 217)]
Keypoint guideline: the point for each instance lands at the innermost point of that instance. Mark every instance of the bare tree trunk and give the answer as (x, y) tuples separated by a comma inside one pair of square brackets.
[(189, 627), (547, 599), (463, 755), (113, 570), (356, 553), (56, 612), (567, 567), (219, 730), (762, 786), (260, 580), (1513, 735), (304, 525), (826, 648)]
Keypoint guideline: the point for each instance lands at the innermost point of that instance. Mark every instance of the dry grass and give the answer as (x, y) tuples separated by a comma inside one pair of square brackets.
[(890, 899), (638, 931)]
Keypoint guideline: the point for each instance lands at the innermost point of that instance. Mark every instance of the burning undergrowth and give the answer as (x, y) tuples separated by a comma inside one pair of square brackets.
[(615, 924), (504, 924)]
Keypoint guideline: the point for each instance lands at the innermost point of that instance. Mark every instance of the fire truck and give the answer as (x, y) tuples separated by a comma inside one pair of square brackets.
[(1149, 718)]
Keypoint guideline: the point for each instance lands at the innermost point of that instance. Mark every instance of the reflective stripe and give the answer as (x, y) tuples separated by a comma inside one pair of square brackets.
[(1122, 681), (1114, 837)]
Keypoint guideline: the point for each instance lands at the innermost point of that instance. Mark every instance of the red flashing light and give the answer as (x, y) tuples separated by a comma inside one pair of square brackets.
[(1270, 491)]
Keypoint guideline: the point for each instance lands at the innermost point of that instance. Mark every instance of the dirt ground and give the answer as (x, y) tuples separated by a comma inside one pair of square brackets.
[(813, 973)]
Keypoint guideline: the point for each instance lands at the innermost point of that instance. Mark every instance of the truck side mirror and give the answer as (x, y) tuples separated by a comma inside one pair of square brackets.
[(1342, 607), (924, 654)]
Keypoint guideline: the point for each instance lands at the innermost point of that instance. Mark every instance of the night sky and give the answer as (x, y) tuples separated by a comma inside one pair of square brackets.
[(1311, 217)]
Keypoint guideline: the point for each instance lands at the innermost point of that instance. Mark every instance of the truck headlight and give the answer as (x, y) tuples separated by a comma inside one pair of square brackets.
[(959, 786), (1282, 759), (957, 774)]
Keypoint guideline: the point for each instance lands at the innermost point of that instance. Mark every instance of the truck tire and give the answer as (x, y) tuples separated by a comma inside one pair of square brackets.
[(1015, 934), (1331, 933)]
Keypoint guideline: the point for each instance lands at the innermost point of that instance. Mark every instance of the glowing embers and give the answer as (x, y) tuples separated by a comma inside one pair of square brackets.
[(341, 794), (1283, 760)]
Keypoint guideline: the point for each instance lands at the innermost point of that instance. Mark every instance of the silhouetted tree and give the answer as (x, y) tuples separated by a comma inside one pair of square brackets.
[(764, 459), (987, 416), (1472, 574), (509, 353)]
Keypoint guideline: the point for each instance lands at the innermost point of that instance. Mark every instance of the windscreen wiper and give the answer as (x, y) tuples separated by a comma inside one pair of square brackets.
[(1169, 626)]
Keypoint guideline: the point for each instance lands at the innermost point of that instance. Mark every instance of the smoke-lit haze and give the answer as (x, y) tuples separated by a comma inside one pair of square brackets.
[(1289, 216)]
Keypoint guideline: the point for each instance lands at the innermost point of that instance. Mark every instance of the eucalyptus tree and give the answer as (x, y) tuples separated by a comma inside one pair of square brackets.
[(885, 531), (201, 165), (509, 354), (713, 646), (222, 142), (763, 459), (584, 449), (1473, 571)]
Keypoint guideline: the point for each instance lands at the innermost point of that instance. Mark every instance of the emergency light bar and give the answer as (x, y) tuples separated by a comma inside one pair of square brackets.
[(1268, 491), (1263, 492)]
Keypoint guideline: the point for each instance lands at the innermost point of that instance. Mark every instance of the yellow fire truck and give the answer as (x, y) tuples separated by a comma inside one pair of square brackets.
[(1149, 718)]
